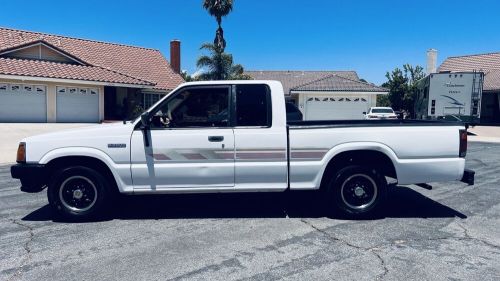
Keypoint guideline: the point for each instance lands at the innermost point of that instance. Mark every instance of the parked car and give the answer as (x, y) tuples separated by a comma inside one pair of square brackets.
[(377, 113), (399, 114), (232, 136), (293, 112)]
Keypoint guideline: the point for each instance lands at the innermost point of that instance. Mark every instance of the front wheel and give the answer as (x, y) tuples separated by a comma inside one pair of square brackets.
[(78, 193), (358, 191)]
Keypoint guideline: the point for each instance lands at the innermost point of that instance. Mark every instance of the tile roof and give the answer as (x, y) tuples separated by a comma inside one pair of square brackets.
[(37, 68), (492, 80), (136, 62), (335, 83), (487, 63), (292, 79)]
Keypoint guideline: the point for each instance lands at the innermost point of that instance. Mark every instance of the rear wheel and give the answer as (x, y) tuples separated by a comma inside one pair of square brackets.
[(358, 191), (78, 193)]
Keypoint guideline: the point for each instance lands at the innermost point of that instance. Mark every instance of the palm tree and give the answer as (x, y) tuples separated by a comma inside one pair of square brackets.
[(219, 9), (219, 65)]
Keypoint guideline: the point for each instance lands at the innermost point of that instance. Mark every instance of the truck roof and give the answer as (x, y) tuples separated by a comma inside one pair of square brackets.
[(225, 82)]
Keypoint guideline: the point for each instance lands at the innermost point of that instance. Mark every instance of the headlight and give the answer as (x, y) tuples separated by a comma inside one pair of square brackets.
[(21, 153)]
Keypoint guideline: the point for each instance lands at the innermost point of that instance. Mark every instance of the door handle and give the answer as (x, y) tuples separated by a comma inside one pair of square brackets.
[(215, 138)]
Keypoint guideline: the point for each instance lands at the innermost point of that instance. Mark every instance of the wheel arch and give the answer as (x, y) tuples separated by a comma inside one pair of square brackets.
[(87, 157), (374, 155)]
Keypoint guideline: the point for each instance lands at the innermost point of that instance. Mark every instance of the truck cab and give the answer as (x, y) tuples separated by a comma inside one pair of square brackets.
[(212, 137)]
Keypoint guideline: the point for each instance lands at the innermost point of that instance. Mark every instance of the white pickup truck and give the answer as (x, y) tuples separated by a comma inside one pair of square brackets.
[(233, 136)]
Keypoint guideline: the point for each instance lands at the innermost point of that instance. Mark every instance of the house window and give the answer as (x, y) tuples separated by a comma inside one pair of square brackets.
[(40, 89), (23, 88), (28, 88), (75, 91), (150, 99)]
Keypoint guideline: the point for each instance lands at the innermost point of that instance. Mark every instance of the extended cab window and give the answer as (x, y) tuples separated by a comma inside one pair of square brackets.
[(253, 105), (195, 107)]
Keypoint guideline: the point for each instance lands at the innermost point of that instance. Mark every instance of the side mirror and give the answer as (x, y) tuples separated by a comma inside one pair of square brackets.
[(145, 119), (364, 112)]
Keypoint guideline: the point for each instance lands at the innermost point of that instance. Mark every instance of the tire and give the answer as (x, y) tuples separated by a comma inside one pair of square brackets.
[(78, 193), (358, 191)]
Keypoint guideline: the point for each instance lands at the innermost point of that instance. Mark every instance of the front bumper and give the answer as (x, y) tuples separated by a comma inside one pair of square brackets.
[(468, 177), (33, 176)]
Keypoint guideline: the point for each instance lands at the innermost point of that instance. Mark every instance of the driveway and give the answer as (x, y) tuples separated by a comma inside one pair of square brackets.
[(485, 134), (13, 133), (450, 232)]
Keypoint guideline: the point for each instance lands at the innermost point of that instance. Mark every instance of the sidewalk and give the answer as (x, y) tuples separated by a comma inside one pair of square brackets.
[(485, 134), (12, 133)]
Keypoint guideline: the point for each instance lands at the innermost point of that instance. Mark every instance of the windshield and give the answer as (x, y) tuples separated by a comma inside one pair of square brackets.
[(382, 110)]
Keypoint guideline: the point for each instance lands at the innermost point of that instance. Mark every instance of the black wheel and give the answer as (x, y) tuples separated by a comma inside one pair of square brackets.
[(78, 193), (358, 191)]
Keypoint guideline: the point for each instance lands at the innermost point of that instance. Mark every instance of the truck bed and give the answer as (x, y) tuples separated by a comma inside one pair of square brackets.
[(420, 150)]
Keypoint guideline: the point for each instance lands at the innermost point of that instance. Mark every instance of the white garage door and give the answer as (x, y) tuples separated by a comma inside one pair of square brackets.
[(23, 103), (77, 105), (336, 108)]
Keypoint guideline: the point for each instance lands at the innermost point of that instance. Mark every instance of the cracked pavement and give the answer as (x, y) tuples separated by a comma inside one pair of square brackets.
[(450, 232)]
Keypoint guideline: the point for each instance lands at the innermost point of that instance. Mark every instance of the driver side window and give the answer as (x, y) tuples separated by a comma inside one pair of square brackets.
[(195, 107)]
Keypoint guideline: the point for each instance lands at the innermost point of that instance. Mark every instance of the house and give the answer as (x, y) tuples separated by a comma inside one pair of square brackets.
[(322, 95), (51, 78), (489, 64)]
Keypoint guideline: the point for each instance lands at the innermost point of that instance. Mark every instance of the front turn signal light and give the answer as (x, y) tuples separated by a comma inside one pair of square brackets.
[(21, 153)]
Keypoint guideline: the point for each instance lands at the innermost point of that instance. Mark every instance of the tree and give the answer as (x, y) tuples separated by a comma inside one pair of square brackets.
[(383, 100), (188, 78), (402, 86), (219, 9), (219, 65)]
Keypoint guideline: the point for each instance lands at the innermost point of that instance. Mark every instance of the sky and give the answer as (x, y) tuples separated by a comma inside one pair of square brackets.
[(370, 37)]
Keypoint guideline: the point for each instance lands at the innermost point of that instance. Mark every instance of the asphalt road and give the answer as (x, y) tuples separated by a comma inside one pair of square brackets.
[(449, 233)]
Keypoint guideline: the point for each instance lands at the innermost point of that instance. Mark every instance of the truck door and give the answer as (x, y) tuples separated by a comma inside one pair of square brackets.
[(190, 142), (260, 138)]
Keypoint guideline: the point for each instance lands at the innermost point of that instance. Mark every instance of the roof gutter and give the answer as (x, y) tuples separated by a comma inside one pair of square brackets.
[(73, 81)]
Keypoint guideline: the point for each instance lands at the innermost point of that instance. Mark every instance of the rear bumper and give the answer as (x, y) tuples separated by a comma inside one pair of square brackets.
[(33, 176), (468, 177)]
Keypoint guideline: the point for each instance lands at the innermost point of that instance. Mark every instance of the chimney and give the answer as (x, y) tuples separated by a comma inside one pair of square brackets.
[(175, 55), (431, 60)]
